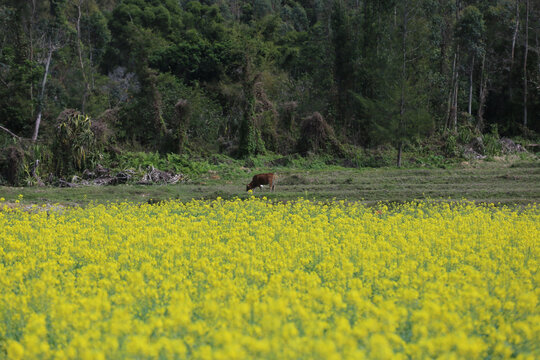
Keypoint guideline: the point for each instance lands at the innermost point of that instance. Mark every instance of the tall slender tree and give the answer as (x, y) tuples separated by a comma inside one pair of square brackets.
[(344, 57), (54, 39), (525, 87), (453, 97), (470, 33)]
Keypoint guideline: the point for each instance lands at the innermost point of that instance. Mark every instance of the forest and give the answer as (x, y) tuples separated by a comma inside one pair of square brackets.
[(84, 81)]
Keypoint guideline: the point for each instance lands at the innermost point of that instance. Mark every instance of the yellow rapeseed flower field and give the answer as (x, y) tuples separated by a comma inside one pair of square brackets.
[(252, 279)]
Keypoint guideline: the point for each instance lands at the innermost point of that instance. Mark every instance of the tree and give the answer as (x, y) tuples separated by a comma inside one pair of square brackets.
[(250, 142), (20, 70), (261, 8), (344, 58), (470, 33), (55, 32), (376, 70), (400, 112), (525, 87), (79, 50), (451, 121)]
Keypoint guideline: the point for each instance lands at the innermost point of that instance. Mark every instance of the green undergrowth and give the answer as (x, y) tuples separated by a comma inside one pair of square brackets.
[(509, 180)]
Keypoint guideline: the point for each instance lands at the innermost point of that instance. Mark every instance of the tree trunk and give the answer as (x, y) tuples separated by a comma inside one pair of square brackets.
[(79, 50), (456, 84), (451, 121), (92, 84), (453, 113), (514, 38), (401, 128), (9, 132), (446, 41), (451, 95), (455, 106), (234, 9), (31, 36), (525, 65), (399, 154), (537, 51), (42, 94), (157, 104), (471, 85), (482, 96)]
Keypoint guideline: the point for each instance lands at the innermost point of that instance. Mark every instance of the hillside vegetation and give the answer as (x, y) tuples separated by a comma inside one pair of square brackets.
[(361, 83)]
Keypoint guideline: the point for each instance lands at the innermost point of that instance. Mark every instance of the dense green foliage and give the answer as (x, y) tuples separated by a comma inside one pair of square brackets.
[(245, 77)]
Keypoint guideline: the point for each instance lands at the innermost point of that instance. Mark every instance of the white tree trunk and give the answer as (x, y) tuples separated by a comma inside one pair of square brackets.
[(451, 94), (514, 38), (525, 65), (79, 50), (455, 106), (42, 94), (482, 95), (471, 86), (31, 37), (401, 129)]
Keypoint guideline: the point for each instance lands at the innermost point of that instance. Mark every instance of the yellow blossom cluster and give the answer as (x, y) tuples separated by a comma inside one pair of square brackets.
[(254, 279)]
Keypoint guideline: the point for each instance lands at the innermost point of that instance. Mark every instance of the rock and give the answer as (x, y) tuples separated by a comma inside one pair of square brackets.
[(101, 171), (64, 183), (508, 146), (87, 174), (477, 145), (121, 178), (154, 175), (469, 153)]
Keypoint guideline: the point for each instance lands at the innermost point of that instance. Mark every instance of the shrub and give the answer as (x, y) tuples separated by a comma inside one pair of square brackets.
[(451, 147), (12, 164), (492, 142), (170, 162), (317, 136), (74, 146)]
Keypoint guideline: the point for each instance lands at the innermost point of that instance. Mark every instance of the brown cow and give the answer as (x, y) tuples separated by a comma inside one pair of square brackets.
[(262, 179)]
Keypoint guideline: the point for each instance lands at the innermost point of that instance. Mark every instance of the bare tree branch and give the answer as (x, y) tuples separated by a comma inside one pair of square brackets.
[(10, 133)]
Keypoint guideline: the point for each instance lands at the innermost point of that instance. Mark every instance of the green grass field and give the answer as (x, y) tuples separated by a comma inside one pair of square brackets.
[(505, 181)]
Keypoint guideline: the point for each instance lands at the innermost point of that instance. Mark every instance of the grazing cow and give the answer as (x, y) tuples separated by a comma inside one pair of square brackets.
[(262, 179)]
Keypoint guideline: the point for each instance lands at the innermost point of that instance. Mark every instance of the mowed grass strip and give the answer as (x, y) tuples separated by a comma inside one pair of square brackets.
[(508, 183)]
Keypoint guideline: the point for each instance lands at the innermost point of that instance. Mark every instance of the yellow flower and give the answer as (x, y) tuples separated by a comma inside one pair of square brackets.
[(255, 279), (14, 350)]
